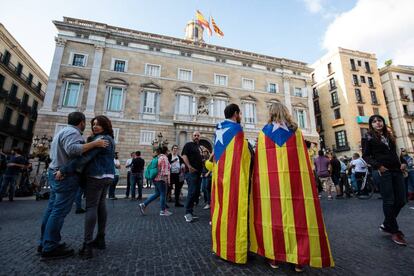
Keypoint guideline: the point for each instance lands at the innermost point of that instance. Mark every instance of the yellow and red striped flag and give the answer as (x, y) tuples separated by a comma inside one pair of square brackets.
[(203, 22), (216, 28), (286, 222), (230, 193)]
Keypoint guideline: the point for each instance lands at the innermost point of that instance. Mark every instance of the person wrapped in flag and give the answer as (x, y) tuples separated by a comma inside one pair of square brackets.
[(286, 223), (230, 165)]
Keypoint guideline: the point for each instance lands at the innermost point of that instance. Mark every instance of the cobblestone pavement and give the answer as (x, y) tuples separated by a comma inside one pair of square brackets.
[(154, 245)]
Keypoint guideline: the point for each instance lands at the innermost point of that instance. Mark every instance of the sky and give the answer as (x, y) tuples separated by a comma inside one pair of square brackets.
[(302, 30)]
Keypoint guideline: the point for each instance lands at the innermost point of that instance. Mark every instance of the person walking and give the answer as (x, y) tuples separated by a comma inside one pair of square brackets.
[(128, 167), (323, 171), (380, 152), (66, 146), (15, 165), (360, 169), (137, 171), (161, 181), (98, 167), (112, 187), (336, 175), (176, 163), (191, 155)]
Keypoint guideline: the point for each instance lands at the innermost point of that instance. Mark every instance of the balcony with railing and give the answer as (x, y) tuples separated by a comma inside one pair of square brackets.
[(3, 93), (25, 108), (13, 100), (25, 80)]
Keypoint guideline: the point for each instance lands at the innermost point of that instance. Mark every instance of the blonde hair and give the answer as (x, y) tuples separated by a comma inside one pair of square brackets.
[(280, 114)]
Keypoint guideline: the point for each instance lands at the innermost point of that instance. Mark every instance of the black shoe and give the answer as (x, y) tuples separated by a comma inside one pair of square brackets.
[(86, 251), (57, 253), (99, 242), (40, 248), (80, 211), (179, 205)]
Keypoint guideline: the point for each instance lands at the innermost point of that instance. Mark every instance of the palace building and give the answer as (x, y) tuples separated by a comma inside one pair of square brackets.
[(149, 84)]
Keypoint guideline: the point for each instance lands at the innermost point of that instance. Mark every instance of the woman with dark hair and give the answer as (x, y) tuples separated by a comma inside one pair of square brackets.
[(380, 152), (98, 167), (161, 181)]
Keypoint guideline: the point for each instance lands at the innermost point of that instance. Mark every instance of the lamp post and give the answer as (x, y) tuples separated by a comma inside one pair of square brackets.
[(41, 149), (159, 141)]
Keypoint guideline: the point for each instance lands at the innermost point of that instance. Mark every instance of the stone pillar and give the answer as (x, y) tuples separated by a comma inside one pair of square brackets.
[(286, 87), (53, 75), (311, 106), (93, 84)]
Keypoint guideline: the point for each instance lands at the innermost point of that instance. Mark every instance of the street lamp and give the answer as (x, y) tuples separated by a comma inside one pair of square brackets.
[(159, 141), (41, 149)]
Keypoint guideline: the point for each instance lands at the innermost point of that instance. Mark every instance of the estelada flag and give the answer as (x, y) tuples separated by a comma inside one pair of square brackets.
[(230, 193), (203, 22), (286, 222)]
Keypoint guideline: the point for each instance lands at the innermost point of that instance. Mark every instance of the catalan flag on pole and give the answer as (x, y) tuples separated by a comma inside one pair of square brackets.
[(230, 193), (216, 28), (286, 222), (203, 22)]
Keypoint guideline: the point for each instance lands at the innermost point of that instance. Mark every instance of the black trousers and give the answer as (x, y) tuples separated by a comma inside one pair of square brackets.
[(175, 182), (394, 197), (128, 184)]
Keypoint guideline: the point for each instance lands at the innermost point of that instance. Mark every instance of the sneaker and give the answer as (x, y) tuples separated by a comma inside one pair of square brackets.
[(382, 228), (299, 268), (206, 207), (329, 197), (40, 248), (195, 216), (398, 239), (165, 213), (188, 217), (273, 264), (142, 208), (113, 198), (320, 196), (57, 253)]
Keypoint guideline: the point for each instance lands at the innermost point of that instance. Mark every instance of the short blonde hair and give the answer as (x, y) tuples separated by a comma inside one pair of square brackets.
[(279, 113)]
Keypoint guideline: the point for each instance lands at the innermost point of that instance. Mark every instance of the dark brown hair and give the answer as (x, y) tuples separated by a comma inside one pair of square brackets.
[(105, 123), (384, 131)]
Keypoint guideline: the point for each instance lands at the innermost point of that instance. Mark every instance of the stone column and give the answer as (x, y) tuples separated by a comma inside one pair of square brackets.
[(93, 84), (53, 75), (286, 87), (311, 106)]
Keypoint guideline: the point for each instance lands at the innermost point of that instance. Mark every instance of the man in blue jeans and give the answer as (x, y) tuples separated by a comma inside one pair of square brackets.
[(14, 166), (192, 158), (66, 145)]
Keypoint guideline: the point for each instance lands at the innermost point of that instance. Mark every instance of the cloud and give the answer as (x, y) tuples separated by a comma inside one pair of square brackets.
[(314, 6), (382, 27)]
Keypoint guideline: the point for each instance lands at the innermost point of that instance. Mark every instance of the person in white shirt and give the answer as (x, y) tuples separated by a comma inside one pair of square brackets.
[(128, 167), (360, 168)]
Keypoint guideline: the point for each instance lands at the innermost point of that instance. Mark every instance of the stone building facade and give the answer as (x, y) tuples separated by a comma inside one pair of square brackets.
[(22, 85), (346, 90), (398, 84), (149, 84)]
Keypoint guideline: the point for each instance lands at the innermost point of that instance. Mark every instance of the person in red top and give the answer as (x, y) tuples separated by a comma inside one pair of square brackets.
[(161, 181)]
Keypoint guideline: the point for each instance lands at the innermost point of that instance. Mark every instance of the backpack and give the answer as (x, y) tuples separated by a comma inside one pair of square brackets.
[(152, 169)]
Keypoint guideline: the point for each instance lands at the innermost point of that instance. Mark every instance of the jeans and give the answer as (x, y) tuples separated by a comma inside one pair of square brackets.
[(96, 206), (393, 198), (8, 181), (411, 181), (160, 191), (344, 183), (206, 188), (62, 195), (78, 198), (193, 183), (112, 187), (136, 178)]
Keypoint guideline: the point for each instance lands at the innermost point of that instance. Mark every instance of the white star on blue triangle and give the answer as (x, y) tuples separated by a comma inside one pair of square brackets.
[(225, 132)]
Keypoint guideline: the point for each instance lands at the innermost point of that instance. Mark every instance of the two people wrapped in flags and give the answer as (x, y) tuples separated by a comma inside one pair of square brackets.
[(268, 204)]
